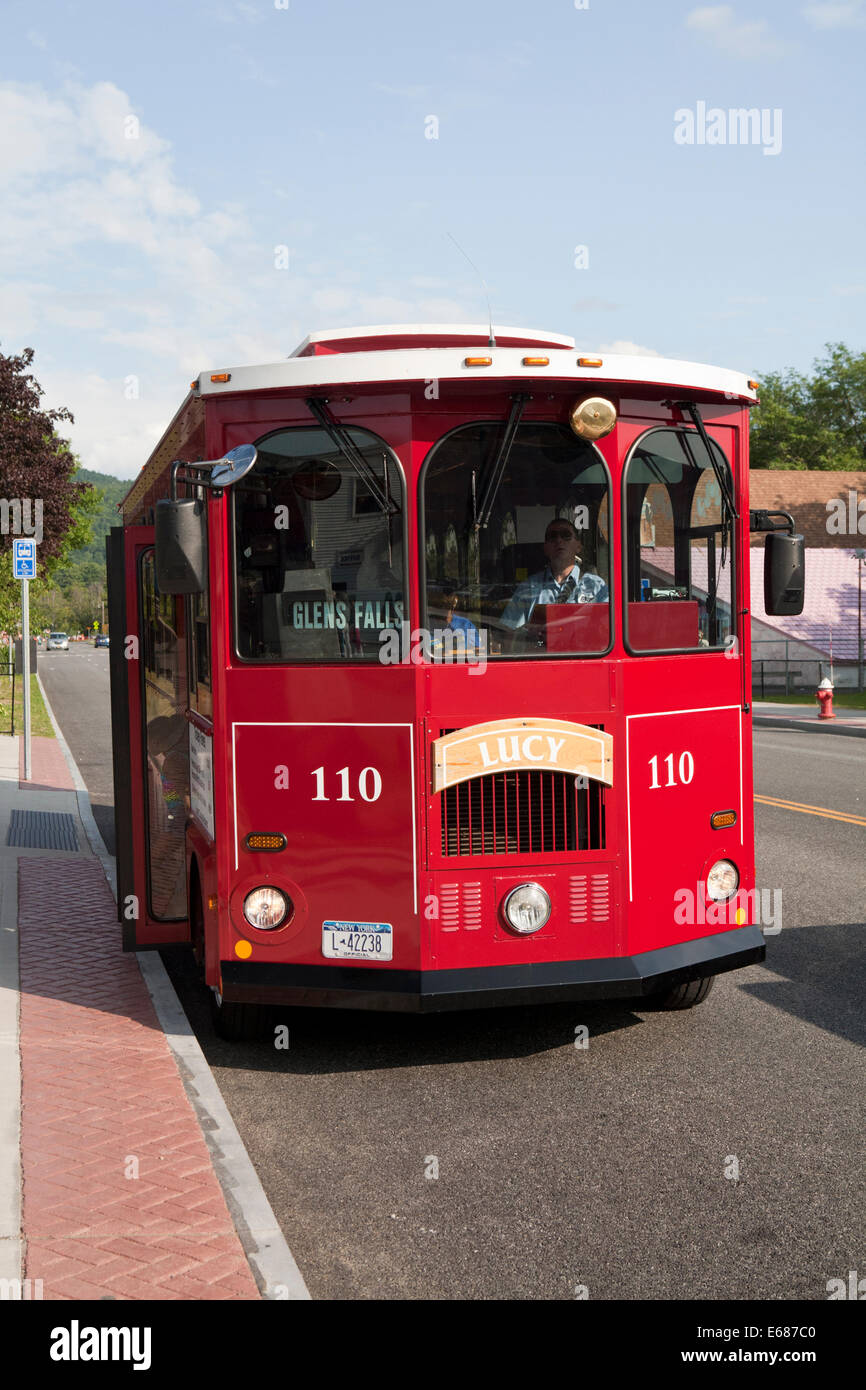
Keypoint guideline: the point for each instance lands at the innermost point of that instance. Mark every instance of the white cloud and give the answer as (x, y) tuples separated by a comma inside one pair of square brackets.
[(115, 268), (111, 433), (850, 15), (623, 347), (736, 37)]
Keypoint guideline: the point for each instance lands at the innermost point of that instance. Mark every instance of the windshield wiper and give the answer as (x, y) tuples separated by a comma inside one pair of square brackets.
[(721, 476), (482, 514), (350, 451)]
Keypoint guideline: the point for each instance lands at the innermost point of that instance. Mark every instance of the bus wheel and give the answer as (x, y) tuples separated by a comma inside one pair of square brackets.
[(236, 1022), (685, 995)]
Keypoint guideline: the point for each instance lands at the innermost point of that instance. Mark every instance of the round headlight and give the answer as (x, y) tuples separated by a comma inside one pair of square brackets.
[(266, 908), (722, 880), (526, 909)]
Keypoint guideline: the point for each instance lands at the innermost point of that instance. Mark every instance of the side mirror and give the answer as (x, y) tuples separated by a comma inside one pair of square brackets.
[(784, 574), (181, 546)]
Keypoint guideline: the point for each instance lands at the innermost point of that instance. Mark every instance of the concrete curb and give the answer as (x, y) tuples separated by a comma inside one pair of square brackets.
[(772, 721), (268, 1255)]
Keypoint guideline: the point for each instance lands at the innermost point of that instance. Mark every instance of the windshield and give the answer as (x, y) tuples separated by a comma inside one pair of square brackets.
[(679, 545), (319, 570), (59, 636), (534, 580)]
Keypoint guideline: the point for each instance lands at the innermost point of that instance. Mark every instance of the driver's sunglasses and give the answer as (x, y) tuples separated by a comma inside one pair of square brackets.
[(558, 536)]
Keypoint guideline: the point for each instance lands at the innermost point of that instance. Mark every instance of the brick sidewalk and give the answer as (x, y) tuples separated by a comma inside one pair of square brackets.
[(48, 770), (120, 1198)]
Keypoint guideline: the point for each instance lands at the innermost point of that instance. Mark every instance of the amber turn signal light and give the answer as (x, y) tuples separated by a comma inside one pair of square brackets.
[(720, 820), (264, 841)]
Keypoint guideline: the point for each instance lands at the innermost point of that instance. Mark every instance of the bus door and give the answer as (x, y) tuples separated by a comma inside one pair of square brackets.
[(150, 742)]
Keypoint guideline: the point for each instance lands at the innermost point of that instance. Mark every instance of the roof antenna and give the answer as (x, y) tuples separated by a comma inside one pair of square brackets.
[(491, 341)]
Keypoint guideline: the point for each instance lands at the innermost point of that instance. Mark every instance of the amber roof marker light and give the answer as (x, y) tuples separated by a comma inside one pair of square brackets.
[(478, 361), (536, 361), (589, 362)]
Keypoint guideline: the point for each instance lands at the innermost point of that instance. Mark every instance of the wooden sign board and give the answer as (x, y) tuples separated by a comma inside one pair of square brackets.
[(530, 745)]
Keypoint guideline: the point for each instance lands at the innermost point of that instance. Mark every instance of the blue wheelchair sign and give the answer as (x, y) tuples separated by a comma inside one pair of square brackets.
[(24, 559)]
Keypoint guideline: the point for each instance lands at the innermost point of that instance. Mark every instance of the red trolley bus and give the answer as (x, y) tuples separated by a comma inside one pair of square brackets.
[(435, 685)]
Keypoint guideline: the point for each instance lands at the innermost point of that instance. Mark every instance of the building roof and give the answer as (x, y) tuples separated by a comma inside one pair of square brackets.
[(830, 604), (819, 501)]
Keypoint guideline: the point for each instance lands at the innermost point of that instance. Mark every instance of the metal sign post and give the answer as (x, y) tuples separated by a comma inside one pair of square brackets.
[(24, 568)]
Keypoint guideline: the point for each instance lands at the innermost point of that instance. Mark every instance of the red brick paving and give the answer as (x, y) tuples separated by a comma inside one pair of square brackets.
[(48, 770), (99, 1089)]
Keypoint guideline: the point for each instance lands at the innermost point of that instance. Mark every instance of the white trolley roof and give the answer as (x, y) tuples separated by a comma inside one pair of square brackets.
[(427, 352)]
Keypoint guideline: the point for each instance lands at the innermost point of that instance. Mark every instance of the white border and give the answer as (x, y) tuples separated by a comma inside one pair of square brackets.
[(328, 724), (660, 714)]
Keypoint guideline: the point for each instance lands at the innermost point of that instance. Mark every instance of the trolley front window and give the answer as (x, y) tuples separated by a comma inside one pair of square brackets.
[(319, 561), (679, 545), (517, 556)]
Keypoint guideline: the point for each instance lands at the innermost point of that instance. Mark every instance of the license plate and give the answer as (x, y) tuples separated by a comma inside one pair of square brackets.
[(357, 940)]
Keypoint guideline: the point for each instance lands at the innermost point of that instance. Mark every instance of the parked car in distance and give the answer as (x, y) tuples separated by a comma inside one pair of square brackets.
[(101, 640), (58, 642)]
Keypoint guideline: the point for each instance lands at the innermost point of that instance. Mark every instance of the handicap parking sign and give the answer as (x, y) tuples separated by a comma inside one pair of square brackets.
[(24, 559)]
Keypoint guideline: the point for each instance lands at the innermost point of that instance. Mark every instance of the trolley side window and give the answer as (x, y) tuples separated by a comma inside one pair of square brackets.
[(516, 557), (318, 545), (679, 545), (200, 686)]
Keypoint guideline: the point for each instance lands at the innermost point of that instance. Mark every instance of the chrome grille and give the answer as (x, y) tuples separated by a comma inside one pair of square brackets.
[(522, 813)]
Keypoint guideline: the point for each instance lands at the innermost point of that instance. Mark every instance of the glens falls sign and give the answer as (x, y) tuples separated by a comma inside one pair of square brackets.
[(531, 745)]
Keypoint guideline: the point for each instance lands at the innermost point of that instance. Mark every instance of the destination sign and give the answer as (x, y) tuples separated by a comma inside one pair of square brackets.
[(551, 745)]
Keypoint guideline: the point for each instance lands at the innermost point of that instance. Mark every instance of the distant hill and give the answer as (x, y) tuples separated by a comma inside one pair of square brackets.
[(113, 491)]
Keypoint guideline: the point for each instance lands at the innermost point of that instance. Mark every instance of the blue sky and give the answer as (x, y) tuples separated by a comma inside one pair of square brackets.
[(154, 157)]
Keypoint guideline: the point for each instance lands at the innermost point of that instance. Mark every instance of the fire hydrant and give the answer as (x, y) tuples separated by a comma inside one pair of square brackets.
[(824, 696)]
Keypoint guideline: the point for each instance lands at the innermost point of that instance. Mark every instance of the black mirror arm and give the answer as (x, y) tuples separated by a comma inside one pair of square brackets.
[(763, 521)]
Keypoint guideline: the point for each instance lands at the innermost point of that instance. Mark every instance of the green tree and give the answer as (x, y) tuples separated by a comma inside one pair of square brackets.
[(816, 421), (37, 466)]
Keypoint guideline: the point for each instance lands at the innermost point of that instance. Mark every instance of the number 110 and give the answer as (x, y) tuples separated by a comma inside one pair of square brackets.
[(685, 769)]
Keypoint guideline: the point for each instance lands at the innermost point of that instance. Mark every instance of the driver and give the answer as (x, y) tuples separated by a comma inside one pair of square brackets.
[(563, 580)]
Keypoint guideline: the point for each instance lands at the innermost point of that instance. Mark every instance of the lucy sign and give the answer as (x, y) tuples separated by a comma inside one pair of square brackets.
[(532, 745)]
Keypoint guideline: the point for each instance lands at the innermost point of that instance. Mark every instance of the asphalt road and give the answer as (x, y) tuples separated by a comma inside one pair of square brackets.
[(559, 1167), (77, 685)]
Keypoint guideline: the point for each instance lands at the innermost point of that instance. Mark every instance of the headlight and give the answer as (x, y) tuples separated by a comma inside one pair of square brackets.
[(527, 908), (722, 880), (266, 908)]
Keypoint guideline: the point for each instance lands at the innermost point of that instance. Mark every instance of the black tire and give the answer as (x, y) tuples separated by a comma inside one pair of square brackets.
[(196, 920), (236, 1022), (685, 995)]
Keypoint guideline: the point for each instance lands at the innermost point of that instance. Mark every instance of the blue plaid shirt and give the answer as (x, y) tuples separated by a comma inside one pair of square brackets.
[(543, 588)]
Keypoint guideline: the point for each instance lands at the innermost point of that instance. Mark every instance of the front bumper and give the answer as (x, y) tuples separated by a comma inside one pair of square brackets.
[(439, 991)]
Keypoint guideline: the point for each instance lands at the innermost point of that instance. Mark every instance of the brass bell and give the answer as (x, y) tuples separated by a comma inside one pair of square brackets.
[(593, 417)]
